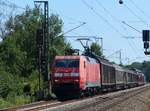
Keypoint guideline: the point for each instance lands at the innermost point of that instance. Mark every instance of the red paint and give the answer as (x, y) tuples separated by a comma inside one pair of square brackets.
[(88, 72)]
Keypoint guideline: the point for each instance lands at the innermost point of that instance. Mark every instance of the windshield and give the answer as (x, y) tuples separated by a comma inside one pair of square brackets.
[(67, 63)]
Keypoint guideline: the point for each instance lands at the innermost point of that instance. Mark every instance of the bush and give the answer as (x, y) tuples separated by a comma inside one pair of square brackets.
[(18, 100), (5, 83), (4, 103), (12, 100), (11, 90)]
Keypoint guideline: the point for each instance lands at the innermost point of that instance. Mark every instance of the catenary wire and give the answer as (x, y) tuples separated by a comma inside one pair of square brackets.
[(131, 45), (108, 12), (133, 13), (101, 17), (137, 7)]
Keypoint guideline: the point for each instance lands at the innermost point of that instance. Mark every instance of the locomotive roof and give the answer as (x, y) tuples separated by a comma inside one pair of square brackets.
[(67, 57)]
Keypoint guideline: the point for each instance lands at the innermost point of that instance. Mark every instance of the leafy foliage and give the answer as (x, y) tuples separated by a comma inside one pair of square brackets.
[(95, 48), (58, 44), (18, 69)]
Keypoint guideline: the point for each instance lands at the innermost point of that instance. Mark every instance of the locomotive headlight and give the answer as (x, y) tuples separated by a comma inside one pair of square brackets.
[(75, 74), (56, 80), (58, 74)]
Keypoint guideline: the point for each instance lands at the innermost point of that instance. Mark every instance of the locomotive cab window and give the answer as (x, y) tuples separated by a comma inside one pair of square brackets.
[(67, 63)]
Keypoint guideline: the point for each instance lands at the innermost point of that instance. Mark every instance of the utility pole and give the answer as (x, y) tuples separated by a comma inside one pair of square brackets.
[(120, 55), (44, 53), (120, 58)]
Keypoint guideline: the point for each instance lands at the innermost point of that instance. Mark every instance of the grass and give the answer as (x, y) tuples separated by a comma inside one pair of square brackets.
[(13, 101)]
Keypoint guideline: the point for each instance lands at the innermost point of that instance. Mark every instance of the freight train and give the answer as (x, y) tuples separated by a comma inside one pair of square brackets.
[(88, 74)]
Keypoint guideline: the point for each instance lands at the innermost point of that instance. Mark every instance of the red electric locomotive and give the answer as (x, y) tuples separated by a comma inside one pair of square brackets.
[(73, 75)]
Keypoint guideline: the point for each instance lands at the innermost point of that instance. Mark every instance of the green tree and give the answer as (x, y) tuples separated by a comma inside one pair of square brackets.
[(146, 70), (12, 57), (18, 52), (135, 65), (96, 48), (58, 44), (19, 44)]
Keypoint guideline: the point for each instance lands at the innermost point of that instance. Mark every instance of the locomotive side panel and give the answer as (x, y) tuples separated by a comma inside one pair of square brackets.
[(92, 73), (83, 72)]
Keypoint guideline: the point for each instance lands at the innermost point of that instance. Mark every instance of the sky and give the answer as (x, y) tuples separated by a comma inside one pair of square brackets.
[(106, 19)]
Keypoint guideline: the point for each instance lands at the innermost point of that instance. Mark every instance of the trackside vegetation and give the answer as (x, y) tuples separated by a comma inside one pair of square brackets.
[(18, 69)]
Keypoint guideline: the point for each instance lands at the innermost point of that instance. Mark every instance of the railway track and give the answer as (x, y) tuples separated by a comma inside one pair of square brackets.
[(107, 102), (37, 106), (31, 106), (99, 102)]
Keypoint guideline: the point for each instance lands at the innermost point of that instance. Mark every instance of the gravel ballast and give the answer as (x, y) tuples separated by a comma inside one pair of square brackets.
[(140, 102)]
